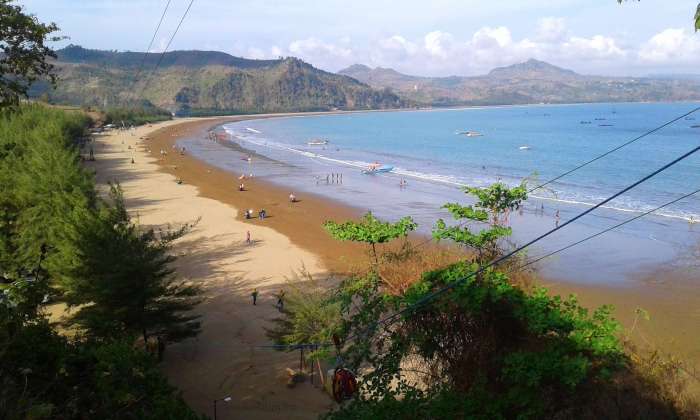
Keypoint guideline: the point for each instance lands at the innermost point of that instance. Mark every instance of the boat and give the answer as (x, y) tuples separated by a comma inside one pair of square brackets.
[(318, 142), (470, 133), (376, 168), (524, 147), (585, 122)]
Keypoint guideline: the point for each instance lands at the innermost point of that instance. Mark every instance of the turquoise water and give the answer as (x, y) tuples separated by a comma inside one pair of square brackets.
[(518, 142)]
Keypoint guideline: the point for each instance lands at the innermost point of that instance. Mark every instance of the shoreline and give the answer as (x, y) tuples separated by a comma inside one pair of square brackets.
[(671, 327)]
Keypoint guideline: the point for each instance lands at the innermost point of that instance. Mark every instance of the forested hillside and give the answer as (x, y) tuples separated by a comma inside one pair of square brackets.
[(205, 82)]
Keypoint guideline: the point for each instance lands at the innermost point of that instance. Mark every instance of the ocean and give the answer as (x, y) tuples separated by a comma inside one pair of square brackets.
[(535, 143)]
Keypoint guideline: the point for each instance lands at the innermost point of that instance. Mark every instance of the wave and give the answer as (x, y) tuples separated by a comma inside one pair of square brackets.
[(252, 130), (564, 197)]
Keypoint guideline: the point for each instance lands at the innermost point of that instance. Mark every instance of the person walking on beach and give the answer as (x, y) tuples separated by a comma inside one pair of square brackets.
[(292, 198), (255, 296), (280, 300), (247, 237)]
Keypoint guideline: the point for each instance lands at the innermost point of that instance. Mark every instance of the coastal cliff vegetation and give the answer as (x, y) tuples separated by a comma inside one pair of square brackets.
[(61, 242), (465, 339)]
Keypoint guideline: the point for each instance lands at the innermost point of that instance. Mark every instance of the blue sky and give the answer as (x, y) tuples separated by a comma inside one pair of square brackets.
[(434, 38)]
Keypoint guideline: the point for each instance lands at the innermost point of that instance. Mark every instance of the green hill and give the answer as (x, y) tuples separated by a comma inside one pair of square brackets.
[(206, 82)]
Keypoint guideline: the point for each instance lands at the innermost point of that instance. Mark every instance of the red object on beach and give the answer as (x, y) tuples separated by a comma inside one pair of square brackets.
[(344, 384)]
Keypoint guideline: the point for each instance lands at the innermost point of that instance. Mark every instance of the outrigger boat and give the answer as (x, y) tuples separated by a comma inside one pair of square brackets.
[(318, 142), (376, 168)]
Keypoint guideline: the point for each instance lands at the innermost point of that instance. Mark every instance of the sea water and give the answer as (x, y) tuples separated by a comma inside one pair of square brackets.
[(533, 143)]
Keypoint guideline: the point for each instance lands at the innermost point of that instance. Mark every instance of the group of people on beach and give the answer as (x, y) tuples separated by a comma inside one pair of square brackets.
[(280, 298), (261, 214)]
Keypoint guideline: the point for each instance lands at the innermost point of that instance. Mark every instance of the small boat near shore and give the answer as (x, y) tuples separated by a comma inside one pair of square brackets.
[(469, 133), (524, 147), (317, 142), (376, 168)]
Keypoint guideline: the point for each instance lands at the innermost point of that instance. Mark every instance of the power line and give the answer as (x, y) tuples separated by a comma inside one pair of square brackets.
[(445, 289), (162, 55), (155, 33), (609, 229), (648, 133)]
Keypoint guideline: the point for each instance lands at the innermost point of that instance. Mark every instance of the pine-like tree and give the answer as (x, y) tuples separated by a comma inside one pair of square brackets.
[(125, 284)]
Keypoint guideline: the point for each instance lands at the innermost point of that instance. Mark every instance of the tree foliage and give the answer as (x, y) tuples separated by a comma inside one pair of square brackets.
[(46, 376), (493, 205), (370, 230), (136, 115), (23, 52), (58, 239), (125, 283)]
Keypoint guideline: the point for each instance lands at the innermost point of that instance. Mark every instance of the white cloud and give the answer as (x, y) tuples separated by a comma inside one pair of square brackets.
[(673, 44), (256, 53), (438, 43), (491, 38), (316, 47), (441, 53), (596, 48), (551, 29)]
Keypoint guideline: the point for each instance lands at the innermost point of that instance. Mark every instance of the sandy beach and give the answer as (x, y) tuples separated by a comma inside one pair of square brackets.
[(223, 360)]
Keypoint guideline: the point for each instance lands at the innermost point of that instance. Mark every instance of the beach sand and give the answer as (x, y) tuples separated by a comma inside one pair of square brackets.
[(223, 361)]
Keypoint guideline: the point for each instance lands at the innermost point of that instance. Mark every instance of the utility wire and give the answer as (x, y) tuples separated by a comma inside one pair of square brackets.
[(648, 133), (162, 55), (569, 172), (145, 54), (445, 289), (538, 259), (639, 216)]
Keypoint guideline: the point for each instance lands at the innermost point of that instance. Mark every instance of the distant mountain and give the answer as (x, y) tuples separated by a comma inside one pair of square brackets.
[(525, 83), (204, 82), (532, 69)]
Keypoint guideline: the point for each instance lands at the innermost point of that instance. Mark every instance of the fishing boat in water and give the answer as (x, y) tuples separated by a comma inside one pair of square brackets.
[(317, 142), (376, 168), (469, 133)]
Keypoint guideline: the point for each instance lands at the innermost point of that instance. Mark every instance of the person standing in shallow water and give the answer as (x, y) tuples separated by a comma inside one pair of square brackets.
[(255, 296)]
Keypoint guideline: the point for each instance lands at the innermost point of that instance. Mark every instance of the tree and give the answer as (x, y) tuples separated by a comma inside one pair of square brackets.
[(23, 52), (125, 284), (493, 206), (371, 231)]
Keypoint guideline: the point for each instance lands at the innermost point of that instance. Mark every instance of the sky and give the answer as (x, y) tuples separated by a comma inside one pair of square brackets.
[(426, 38)]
